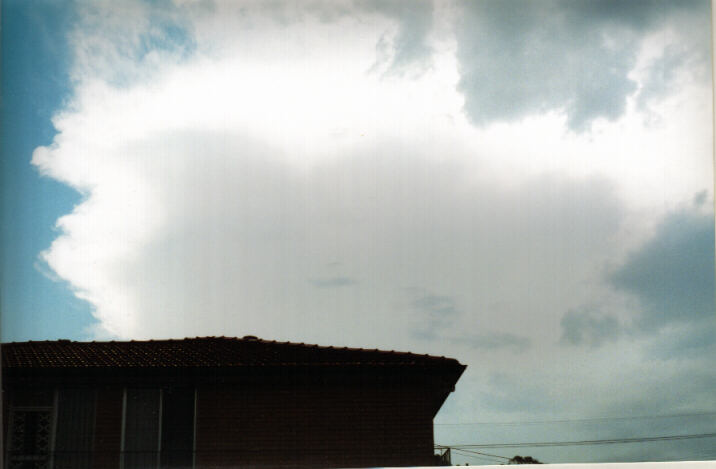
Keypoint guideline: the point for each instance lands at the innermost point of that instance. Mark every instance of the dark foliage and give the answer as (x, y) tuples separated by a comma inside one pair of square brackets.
[(523, 460)]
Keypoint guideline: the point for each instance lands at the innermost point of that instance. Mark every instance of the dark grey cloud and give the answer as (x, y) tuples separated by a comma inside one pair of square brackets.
[(639, 15), (519, 57), (409, 47), (672, 275), (589, 327), (672, 278)]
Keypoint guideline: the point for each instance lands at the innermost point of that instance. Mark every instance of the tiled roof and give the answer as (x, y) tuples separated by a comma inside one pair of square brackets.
[(248, 351)]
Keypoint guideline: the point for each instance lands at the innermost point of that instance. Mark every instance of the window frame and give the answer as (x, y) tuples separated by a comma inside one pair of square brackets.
[(56, 420), (160, 416)]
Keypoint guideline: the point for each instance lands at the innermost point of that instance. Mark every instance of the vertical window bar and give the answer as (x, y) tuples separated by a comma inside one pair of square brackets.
[(94, 426), (53, 426), (159, 438), (124, 424), (193, 443)]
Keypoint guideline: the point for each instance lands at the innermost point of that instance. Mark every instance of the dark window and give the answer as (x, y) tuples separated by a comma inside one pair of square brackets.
[(177, 428), (74, 435), (141, 429), (159, 428)]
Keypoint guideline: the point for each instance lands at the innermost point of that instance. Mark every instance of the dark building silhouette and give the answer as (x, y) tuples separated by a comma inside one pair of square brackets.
[(218, 402)]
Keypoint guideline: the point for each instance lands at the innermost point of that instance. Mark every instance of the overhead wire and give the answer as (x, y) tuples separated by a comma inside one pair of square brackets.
[(589, 419), (464, 453), (583, 442), (481, 453)]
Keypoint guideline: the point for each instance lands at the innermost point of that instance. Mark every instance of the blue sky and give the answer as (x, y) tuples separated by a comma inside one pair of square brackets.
[(35, 82), (527, 187)]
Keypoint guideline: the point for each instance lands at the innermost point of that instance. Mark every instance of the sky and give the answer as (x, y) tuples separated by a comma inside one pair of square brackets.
[(524, 186)]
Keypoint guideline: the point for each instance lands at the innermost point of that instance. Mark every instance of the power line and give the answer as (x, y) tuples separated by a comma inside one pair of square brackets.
[(479, 459), (468, 454), (585, 442), (590, 419), (480, 453)]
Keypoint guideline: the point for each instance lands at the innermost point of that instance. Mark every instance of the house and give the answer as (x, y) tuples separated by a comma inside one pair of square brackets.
[(218, 402)]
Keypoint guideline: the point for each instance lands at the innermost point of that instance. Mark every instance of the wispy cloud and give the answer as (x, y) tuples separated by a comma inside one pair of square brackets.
[(333, 282), (439, 318), (590, 328)]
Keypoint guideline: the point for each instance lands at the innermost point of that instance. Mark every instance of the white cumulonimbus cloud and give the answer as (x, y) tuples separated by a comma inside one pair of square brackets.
[(296, 173)]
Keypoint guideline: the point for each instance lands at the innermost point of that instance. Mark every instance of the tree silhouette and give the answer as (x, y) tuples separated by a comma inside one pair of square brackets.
[(523, 460)]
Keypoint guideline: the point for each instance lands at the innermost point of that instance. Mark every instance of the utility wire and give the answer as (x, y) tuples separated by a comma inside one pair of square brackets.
[(586, 442), (480, 461), (590, 419), (479, 458), (483, 454)]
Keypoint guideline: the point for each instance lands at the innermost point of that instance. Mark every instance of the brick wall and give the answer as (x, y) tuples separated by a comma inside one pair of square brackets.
[(311, 425)]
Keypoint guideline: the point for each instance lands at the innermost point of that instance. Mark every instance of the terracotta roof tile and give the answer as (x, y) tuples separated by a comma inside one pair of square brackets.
[(248, 351)]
